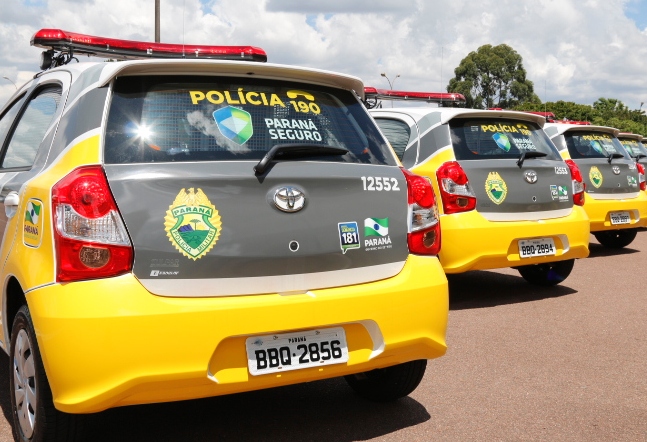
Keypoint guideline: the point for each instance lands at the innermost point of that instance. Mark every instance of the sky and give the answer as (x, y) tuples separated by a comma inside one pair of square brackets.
[(572, 50)]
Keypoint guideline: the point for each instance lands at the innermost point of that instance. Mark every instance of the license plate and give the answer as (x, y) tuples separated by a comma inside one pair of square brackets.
[(620, 218), (529, 248), (294, 351)]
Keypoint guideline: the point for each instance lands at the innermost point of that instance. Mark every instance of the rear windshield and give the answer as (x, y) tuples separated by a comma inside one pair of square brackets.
[(164, 119), (397, 132), (490, 138), (633, 147), (589, 144)]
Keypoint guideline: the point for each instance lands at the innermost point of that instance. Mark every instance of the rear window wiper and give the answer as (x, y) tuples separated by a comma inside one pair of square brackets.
[(527, 155), (282, 151), (639, 156), (614, 155)]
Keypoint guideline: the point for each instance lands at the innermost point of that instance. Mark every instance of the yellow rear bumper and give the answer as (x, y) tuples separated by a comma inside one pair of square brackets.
[(110, 342), (599, 211), (471, 242)]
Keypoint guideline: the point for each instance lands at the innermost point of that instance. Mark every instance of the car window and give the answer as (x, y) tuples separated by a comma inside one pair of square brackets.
[(162, 119), (8, 118), (590, 144), (397, 132), (490, 138), (633, 147), (31, 127)]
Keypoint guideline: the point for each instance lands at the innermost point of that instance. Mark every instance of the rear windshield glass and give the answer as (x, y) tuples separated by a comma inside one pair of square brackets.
[(163, 119), (589, 144), (397, 132), (633, 147), (490, 138)]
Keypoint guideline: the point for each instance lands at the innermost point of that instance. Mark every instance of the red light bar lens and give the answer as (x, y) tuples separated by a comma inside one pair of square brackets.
[(114, 48), (435, 97)]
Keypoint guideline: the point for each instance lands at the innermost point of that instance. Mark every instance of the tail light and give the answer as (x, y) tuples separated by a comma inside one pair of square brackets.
[(91, 239), (641, 176), (424, 226), (578, 183), (455, 189)]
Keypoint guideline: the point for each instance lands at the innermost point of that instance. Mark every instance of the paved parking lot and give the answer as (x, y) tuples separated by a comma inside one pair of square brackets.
[(524, 363)]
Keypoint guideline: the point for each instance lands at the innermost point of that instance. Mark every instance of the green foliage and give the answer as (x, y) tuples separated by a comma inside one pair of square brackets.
[(604, 112), (493, 76)]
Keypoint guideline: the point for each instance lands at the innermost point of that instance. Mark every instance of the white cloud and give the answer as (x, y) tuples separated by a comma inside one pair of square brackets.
[(579, 50)]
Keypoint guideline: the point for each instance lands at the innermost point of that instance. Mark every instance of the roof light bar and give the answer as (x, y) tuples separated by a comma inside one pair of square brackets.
[(58, 40), (429, 97)]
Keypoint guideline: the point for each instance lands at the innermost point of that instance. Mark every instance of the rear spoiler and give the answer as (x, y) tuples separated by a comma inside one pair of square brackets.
[(374, 96)]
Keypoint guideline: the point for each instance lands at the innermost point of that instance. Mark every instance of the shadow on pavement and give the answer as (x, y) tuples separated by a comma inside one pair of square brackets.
[(599, 251), (317, 411), (479, 289), (5, 399)]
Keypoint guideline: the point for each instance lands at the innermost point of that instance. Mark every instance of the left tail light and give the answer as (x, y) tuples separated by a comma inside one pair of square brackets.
[(641, 176), (579, 186), (91, 238), (424, 225)]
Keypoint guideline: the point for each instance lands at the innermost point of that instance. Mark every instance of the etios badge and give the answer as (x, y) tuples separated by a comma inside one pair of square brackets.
[(289, 199), (530, 176)]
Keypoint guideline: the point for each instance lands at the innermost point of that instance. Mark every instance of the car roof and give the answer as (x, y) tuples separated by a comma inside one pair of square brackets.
[(565, 127), (447, 114), (219, 68)]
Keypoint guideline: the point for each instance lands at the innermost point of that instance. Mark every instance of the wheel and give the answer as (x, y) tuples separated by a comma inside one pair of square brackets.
[(551, 273), (34, 415), (616, 239), (388, 384)]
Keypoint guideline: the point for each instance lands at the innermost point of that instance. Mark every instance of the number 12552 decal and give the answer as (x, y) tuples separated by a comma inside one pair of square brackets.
[(379, 183)]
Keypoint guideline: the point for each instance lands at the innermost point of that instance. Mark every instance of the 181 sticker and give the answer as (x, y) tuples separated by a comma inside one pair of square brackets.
[(379, 184)]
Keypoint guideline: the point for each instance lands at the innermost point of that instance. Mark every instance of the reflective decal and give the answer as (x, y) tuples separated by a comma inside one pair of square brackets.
[(192, 223), (348, 236), (496, 188), (32, 232), (234, 123), (502, 141), (376, 234), (595, 176)]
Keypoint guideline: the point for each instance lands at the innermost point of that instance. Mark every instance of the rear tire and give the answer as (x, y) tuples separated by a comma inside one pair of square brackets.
[(616, 239), (549, 274), (388, 384), (34, 417)]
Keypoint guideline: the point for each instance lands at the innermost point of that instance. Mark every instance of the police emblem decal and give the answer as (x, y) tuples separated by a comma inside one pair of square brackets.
[(192, 223)]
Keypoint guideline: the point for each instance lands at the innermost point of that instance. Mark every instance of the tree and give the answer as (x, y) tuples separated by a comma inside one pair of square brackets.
[(493, 76)]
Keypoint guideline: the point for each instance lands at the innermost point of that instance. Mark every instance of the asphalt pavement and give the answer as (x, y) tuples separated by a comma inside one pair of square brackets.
[(567, 363)]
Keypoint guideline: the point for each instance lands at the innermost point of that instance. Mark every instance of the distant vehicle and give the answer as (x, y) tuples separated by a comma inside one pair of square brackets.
[(508, 198), (202, 223), (614, 202)]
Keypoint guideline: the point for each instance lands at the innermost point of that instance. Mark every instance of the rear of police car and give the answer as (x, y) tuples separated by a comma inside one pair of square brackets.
[(615, 203), (210, 231)]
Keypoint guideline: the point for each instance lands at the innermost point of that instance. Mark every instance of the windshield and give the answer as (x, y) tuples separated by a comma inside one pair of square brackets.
[(493, 138), (589, 144), (633, 147), (171, 119)]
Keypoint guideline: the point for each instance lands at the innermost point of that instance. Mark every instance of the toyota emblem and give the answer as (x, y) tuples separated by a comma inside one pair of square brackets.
[(616, 170), (530, 176), (289, 199)]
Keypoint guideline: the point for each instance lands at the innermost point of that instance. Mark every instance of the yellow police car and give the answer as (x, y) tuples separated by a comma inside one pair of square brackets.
[(178, 227), (614, 201), (508, 198)]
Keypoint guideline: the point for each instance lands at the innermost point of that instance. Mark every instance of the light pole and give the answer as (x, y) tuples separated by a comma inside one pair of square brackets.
[(157, 21), (9, 79), (390, 83)]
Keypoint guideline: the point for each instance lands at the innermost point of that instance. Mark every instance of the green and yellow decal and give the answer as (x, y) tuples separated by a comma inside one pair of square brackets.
[(32, 232), (192, 223), (595, 176), (496, 188)]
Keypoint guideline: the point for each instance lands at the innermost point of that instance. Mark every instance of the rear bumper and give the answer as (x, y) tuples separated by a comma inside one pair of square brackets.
[(471, 242), (599, 211), (109, 343)]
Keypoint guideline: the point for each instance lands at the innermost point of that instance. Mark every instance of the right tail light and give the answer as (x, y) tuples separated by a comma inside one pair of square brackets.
[(424, 225), (641, 176), (578, 183), (455, 189)]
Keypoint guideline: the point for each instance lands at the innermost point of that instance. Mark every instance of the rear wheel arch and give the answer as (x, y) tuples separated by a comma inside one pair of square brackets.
[(13, 299)]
